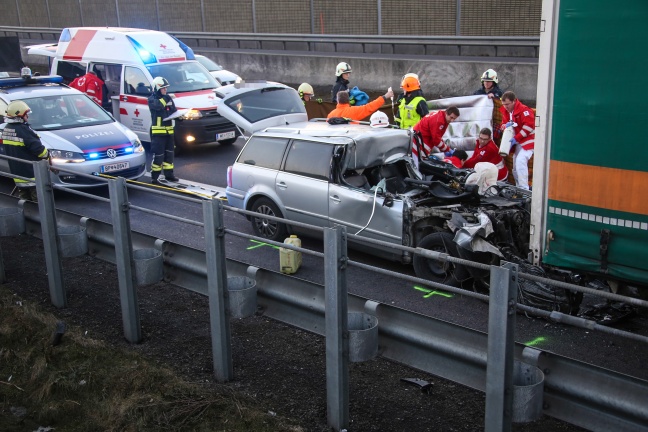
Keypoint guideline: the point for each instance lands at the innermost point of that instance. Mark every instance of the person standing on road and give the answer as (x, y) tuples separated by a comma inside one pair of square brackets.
[(522, 118), (162, 138), (343, 109), (430, 131), (20, 141), (342, 73), (489, 85), (486, 151), (412, 106)]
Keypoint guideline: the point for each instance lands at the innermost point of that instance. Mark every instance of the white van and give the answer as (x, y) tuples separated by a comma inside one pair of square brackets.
[(127, 60)]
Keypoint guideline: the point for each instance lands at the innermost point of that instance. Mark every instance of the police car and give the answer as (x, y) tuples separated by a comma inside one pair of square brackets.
[(79, 135)]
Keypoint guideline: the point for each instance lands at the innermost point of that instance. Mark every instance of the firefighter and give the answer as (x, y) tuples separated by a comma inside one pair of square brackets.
[(306, 93), (342, 72), (412, 106), (20, 141), (489, 85), (162, 138)]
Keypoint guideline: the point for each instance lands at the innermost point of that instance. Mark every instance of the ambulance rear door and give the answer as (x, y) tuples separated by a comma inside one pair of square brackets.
[(134, 112)]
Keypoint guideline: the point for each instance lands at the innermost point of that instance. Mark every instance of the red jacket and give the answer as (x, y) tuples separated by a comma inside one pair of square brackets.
[(357, 112), (431, 128), (91, 85), (488, 153), (525, 119), (454, 160)]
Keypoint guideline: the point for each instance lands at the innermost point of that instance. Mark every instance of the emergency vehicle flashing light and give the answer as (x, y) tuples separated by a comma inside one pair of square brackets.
[(146, 56), (16, 82)]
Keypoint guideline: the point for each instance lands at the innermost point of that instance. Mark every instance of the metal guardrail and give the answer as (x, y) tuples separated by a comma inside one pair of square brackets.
[(582, 394), (489, 46)]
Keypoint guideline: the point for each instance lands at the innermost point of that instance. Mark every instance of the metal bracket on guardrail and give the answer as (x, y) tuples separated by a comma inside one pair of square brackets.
[(337, 333), (47, 212), (217, 290), (124, 259)]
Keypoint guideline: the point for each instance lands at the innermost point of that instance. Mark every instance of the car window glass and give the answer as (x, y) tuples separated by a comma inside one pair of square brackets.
[(309, 159), (70, 70), (209, 64), (184, 76), (265, 103), (263, 152), (135, 82)]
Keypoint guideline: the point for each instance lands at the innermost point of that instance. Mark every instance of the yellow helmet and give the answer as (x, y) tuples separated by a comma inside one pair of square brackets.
[(305, 89), (17, 108)]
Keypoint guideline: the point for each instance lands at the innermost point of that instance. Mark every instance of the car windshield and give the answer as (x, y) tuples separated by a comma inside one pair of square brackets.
[(264, 103), (184, 76), (209, 64), (65, 112)]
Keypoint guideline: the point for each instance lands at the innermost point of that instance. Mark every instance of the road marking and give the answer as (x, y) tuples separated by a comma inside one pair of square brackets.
[(430, 293), (260, 244)]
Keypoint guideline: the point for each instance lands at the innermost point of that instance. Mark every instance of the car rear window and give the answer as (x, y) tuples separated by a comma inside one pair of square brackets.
[(263, 152), (309, 159)]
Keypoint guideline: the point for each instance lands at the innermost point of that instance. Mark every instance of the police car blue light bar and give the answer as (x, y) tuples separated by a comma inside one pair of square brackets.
[(46, 79)]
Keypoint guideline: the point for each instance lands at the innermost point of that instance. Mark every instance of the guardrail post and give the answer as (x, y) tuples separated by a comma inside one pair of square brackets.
[(47, 212), (501, 344), (3, 277), (119, 208), (217, 289), (337, 332)]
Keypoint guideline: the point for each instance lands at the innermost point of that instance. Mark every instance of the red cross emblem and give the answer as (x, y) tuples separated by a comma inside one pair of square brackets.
[(162, 46), (211, 97), (137, 113)]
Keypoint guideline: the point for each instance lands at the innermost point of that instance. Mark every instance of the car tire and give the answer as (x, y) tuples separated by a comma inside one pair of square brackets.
[(266, 228), (433, 270)]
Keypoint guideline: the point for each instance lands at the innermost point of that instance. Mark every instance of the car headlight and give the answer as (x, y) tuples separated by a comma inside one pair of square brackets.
[(193, 114), (137, 146), (65, 156)]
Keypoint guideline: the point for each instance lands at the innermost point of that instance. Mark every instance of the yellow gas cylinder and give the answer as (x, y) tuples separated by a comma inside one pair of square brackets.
[(290, 260)]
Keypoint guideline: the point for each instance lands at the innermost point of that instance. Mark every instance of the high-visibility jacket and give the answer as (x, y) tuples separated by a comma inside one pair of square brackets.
[(161, 106), (357, 112), (91, 85), (20, 141), (525, 119), (409, 111)]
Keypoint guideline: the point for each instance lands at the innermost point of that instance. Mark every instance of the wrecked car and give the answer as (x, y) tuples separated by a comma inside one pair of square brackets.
[(364, 178)]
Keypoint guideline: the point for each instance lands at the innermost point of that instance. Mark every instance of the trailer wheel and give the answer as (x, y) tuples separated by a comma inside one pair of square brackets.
[(434, 270)]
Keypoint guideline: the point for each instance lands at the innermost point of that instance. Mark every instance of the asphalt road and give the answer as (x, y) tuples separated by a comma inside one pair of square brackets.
[(208, 165)]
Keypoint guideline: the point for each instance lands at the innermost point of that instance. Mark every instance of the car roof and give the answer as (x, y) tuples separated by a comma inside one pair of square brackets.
[(369, 146)]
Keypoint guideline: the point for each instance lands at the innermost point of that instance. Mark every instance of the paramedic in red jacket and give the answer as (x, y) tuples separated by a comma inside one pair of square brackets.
[(431, 129), (91, 85), (523, 119), (486, 151)]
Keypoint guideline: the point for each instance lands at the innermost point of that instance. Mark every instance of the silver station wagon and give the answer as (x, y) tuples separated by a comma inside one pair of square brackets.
[(365, 179)]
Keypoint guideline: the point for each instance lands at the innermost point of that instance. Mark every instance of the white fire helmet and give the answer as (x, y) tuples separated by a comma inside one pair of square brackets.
[(379, 120)]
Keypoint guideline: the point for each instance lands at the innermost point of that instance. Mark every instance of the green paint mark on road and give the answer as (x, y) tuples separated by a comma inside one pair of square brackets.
[(260, 244), (430, 293), (536, 341)]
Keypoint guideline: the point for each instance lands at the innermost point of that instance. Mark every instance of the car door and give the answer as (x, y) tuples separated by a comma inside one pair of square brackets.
[(302, 184), (362, 212), (134, 112), (256, 106)]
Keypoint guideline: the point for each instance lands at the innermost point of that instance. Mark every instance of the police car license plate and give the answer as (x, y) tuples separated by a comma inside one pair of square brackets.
[(115, 167), (225, 135)]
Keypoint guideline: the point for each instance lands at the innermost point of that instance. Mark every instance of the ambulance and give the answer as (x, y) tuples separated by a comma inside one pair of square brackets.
[(127, 60)]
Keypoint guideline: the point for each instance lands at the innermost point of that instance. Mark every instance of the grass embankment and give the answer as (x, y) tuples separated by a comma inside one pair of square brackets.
[(84, 384)]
